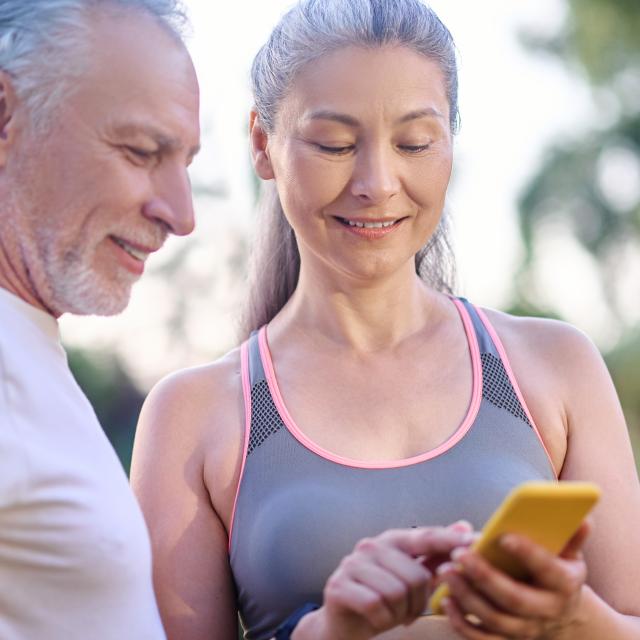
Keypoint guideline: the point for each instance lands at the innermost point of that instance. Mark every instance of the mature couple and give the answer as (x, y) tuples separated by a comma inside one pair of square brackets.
[(318, 478)]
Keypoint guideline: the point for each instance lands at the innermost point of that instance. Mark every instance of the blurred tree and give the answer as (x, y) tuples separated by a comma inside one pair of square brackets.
[(594, 182), (623, 364), (592, 185), (114, 397)]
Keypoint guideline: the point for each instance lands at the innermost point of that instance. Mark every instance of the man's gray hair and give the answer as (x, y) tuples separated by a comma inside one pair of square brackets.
[(44, 43)]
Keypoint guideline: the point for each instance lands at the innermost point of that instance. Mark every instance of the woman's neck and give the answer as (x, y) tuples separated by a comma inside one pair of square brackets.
[(362, 316)]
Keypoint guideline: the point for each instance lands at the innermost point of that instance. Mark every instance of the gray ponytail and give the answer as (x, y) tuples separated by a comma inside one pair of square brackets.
[(308, 31)]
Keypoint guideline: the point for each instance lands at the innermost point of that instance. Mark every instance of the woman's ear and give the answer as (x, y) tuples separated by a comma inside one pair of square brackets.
[(8, 104), (260, 147)]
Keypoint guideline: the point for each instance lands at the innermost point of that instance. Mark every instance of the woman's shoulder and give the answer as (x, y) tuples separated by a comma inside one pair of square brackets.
[(199, 384), (192, 423), (549, 338), (557, 368), (558, 355), (197, 403)]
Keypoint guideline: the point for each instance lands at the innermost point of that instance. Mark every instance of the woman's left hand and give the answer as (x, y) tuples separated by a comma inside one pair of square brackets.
[(487, 604)]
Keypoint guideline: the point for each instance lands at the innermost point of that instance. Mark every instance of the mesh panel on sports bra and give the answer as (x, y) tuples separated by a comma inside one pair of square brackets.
[(497, 387), (265, 419)]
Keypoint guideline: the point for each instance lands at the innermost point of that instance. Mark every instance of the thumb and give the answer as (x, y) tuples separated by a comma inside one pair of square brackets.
[(573, 548)]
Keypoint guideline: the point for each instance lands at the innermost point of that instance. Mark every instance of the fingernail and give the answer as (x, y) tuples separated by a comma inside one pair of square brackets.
[(509, 542), (457, 553), (462, 525), (467, 538), (444, 567)]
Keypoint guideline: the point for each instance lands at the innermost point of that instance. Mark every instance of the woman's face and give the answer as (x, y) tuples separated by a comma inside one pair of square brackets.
[(361, 155)]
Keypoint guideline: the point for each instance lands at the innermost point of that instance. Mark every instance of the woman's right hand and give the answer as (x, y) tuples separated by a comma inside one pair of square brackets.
[(384, 583)]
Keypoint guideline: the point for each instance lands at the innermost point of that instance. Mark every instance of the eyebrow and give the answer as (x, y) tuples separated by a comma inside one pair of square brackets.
[(428, 112), (334, 116), (166, 143), (350, 121)]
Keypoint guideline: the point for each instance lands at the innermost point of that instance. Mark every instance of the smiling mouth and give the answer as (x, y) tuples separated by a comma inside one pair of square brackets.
[(379, 224), (134, 252)]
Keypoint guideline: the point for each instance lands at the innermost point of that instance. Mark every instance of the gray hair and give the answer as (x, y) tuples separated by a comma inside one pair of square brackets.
[(311, 29), (43, 43)]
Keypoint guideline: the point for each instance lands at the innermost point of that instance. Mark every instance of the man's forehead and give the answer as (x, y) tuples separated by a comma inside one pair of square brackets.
[(136, 49), (142, 83)]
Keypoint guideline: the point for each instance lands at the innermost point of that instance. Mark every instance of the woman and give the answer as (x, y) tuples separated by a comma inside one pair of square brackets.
[(309, 479)]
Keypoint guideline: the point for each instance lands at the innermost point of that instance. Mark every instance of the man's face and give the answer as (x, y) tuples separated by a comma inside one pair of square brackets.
[(107, 184)]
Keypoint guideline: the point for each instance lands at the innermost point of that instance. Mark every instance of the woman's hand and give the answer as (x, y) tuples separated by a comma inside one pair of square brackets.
[(486, 604), (385, 582)]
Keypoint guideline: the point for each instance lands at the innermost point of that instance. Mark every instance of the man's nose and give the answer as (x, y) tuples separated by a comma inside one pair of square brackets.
[(375, 176), (172, 201)]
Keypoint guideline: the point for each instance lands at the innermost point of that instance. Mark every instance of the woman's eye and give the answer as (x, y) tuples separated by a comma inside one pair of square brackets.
[(338, 151), (414, 148)]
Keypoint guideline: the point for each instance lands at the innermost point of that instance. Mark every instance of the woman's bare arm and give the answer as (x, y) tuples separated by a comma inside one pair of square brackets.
[(558, 367), (179, 431)]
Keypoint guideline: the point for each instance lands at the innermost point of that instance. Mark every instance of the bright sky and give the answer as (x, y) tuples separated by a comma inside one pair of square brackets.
[(513, 104)]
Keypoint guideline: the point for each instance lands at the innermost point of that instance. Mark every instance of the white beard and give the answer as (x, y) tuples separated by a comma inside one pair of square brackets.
[(76, 288), (63, 283)]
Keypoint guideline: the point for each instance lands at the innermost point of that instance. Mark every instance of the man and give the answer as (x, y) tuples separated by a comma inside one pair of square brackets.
[(98, 122)]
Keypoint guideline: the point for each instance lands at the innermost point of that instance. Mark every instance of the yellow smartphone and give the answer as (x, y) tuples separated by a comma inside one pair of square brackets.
[(548, 513)]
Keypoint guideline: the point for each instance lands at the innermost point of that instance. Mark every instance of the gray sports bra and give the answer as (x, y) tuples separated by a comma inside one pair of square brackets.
[(300, 509)]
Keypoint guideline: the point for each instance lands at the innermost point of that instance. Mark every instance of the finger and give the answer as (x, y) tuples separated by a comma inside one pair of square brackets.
[(433, 561), (547, 570), (573, 548), (413, 574), (394, 591), (426, 541), (439, 562), (347, 597), (444, 569), (463, 626), (463, 526), (493, 619), (508, 594)]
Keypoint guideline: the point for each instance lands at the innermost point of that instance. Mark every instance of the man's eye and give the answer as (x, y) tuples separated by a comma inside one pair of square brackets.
[(414, 148), (141, 154), (337, 151)]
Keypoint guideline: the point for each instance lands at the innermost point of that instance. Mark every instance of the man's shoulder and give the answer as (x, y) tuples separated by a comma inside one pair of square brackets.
[(13, 447), (46, 421)]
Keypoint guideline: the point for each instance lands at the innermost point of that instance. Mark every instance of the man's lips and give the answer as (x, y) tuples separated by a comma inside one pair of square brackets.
[(135, 249)]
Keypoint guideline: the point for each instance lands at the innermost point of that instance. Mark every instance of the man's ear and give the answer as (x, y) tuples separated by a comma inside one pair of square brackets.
[(8, 104), (259, 147)]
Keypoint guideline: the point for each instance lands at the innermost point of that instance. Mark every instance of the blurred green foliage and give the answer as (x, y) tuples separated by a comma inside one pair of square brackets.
[(115, 398), (599, 41), (623, 362), (598, 38)]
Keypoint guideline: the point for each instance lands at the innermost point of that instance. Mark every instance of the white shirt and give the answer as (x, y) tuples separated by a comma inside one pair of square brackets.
[(75, 558)]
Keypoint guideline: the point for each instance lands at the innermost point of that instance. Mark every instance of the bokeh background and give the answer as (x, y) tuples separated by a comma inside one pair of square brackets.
[(545, 194)]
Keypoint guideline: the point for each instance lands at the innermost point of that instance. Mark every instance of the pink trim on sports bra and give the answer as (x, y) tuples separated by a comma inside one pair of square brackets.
[(472, 412), (246, 393), (512, 377)]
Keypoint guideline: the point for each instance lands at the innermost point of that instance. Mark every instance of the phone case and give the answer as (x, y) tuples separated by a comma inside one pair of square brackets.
[(548, 513)]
